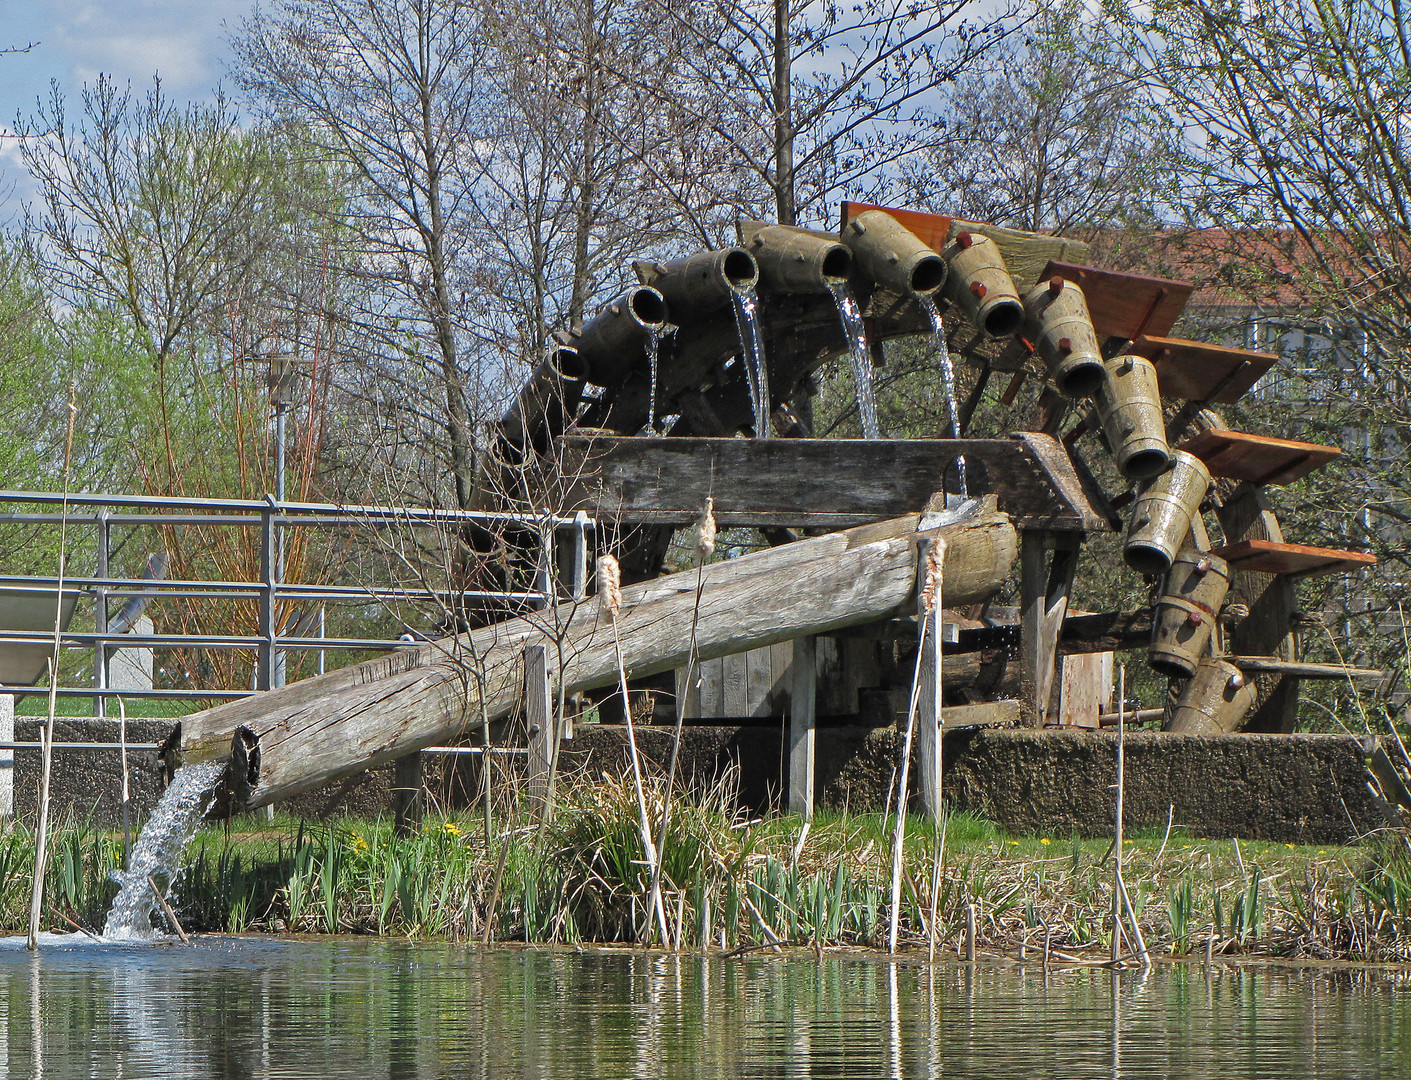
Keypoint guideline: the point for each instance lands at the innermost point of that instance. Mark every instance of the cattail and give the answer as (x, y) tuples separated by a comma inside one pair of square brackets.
[(935, 574), (705, 531), (609, 586)]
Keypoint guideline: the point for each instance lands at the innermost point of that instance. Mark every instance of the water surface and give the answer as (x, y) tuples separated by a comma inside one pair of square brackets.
[(366, 1008)]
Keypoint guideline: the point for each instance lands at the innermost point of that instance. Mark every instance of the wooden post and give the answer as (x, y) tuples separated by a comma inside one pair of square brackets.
[(802, 728), (407, 802), (1044, 586), (928, 696), (539, 719)]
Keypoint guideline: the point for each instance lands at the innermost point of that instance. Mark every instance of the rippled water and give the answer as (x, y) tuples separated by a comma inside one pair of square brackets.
[(328, 1010)]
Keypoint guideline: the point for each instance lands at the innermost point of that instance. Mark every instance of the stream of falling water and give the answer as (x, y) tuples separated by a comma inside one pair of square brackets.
[(157, 853), (653, 350), (752, 351), (942, 347), (859, 355)]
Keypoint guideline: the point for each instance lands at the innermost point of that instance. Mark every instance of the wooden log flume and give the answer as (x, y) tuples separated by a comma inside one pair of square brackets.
[(300, 737)]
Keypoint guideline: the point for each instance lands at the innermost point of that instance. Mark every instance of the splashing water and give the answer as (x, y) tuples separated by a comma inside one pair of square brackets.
[(157, 853), (942, 347), (861, 358), (653, 350), (752, 349)]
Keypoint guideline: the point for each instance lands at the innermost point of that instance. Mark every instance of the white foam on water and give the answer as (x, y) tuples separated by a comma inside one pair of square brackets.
[(157, 853)]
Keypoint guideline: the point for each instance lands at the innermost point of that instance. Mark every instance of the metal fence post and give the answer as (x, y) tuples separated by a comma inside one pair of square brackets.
[(101, 654), (264, 672)]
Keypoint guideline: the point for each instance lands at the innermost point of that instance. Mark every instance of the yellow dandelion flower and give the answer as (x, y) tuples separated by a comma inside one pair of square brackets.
[(1014, 843), (1045, 840), (452, 829)]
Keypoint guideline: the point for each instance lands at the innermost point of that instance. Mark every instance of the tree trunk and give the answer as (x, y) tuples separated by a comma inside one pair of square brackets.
[(292, 740)]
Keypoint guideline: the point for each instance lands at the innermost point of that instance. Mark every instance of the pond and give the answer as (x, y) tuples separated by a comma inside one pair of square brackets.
[(328, 1009)]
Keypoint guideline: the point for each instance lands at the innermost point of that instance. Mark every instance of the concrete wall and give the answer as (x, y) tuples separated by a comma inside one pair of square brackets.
[(1292, 788)]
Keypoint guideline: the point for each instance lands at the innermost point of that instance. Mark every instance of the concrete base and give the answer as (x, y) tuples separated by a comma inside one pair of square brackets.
[(1307, 789), (87, 784)]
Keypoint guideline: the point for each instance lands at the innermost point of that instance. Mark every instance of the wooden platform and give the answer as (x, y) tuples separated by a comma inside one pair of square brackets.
[(1126, 306), (1259, 459), (818, 483), (1295, 560), (1198, 371)]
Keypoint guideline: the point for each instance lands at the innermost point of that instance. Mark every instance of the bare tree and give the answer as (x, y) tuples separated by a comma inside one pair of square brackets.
[(1049, 134), (813, 98), (386, 89)]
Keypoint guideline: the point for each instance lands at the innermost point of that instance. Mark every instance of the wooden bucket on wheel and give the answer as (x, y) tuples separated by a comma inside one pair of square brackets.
[(1129, 408), (1162, 514), (1057, 314), (1215, 701), (1185, 614)]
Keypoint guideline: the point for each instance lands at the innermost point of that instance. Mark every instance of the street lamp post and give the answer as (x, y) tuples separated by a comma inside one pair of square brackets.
[(281, 375)]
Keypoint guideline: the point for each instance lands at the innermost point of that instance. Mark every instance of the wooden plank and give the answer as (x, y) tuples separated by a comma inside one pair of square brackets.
[(735, 688), (1126, 306), (372, 713), (712, 693), (1004, 713), (817, 483), (782, 664), (1086, 689), (688, 697), (1045, 581), (1292, 560), (803, 722), (1300, 670), (539, 721), (1198, 371), (1259, 459), (759, 680), (407, 799)]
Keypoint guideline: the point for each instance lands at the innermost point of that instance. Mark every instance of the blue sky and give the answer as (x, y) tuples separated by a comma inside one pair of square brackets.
[(183, 40)]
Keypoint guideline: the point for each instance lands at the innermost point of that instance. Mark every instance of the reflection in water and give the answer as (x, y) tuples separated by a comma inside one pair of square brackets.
[(356, 1008)]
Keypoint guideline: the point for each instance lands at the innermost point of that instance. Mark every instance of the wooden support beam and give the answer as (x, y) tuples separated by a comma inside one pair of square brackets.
[(408, 799), (803, 722), (1269, 665), (301, 737), (818, 483), (1046, 572)]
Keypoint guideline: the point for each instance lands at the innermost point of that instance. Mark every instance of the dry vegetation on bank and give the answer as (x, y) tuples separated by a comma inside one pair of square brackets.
[(734, 884)]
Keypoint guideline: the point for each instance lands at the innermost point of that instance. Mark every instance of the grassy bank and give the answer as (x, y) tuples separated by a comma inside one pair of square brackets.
[(733, 883)]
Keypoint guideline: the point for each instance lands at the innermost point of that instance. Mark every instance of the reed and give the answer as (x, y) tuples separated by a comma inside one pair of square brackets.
[(734, 883)]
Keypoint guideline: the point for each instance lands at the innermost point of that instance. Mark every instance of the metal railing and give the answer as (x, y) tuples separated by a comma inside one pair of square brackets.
[(106, 513)]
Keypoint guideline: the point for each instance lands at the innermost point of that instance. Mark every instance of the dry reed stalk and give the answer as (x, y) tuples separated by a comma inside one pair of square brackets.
[(41, 833), (610, 604), (705, 547), (932, 600)]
